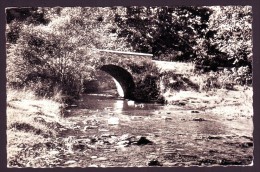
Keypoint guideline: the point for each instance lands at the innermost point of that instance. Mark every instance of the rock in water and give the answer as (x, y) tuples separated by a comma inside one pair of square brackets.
[(199, 119), (90, 127), (130, 103), (214, 137), (124, 137), (154, 162), (166, 118), (181, 103), (246, 144), (113, 121), (39, 119), (143, 141), (123, 143), (101, 159), (70, 162), (93, 157), (93, 165)]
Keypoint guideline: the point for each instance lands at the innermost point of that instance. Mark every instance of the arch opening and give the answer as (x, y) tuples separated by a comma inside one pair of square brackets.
[(123, 80)]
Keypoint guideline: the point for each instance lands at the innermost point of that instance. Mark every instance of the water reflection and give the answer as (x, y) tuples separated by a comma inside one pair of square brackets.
[(119, 105), (103, 102)]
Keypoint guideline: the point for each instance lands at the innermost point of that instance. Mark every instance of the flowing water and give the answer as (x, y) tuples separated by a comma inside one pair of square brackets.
[(109, 131)]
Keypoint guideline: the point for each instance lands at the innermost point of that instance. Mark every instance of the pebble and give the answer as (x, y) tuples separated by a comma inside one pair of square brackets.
[(199, 119), (39, 119), (92, 165), (130, 103), (106, 135), (103, 130), (77, 127), (101, 159), (93, 157), (169, 164), (166, 118), (63, 129), (123, 143), (246, 144), (108, 108), (181, 103), (230, 119), (113, 121), (70, 162), (214, 137), (90, 127), (124, 136), (21, 145), (53, 152)]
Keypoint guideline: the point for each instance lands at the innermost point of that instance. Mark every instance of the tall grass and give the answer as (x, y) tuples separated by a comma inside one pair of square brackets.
[(176, 77), (20, 94), (30, 120)]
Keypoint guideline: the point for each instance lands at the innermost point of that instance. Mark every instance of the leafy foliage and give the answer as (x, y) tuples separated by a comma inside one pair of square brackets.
[(53, 48), (213, 36), (54, 55), (163, 30), (231, 40)]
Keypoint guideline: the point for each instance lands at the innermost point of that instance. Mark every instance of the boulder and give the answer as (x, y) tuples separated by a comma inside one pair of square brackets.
[(143, 141), (199, 119), (154, 162)]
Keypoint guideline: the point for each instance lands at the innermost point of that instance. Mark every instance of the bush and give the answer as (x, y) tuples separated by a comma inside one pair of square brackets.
[(177, 82), (225, 78), (147, 89)]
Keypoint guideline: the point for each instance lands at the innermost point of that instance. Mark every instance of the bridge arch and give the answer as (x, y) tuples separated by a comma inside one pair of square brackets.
[(123, 77)]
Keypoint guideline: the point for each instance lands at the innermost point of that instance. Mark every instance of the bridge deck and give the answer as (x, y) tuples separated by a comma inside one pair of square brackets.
[(124, 52)]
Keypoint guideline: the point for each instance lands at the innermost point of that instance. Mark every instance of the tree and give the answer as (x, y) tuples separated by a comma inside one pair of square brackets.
[(16, 17), (164, 30), (230, 35), (59, 53)]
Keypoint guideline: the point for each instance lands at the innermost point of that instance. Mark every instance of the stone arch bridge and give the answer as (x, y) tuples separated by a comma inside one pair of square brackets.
[(135, 72), (142, 78)]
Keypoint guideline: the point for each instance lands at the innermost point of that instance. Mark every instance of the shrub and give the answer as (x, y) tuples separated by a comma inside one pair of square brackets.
[(147, 89)]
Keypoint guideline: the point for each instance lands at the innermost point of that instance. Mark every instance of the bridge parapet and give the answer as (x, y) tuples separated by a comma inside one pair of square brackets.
[(124, 52)]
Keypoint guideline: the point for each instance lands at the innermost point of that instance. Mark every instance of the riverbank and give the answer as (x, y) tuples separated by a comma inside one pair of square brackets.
[(32, 124), (219, 133)]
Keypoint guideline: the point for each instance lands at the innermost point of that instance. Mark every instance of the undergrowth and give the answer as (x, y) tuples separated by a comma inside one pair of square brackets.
[(30, 120)]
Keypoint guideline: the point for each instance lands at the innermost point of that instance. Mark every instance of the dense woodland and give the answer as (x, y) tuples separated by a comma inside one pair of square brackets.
[(51, 49)]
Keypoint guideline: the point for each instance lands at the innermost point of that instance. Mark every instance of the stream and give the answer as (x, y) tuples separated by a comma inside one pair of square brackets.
[(108, 131)]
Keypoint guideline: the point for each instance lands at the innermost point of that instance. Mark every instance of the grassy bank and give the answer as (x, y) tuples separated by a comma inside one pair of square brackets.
[(223, 92), (176, 77), (31, 123)]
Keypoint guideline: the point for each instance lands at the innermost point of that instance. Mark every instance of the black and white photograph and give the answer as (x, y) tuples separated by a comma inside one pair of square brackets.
[(129, 86)]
